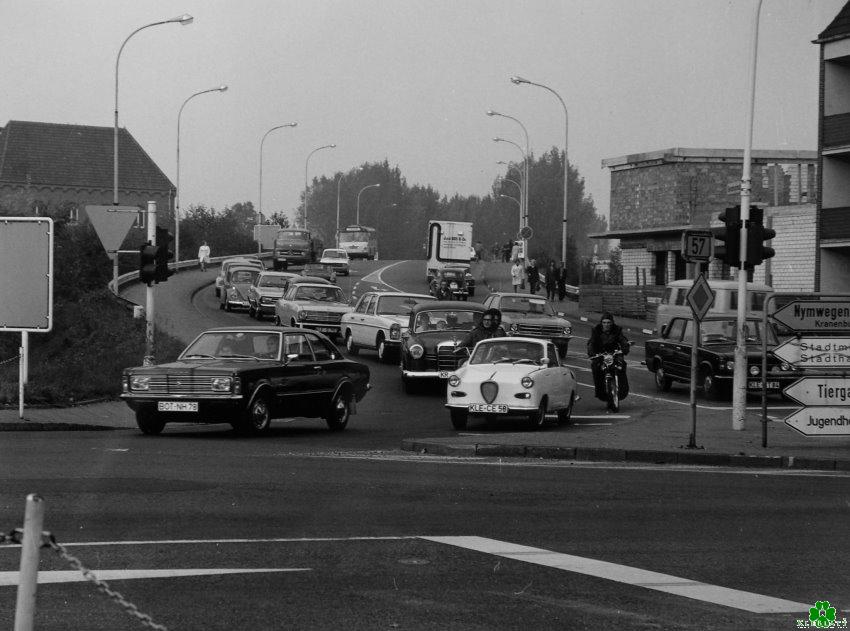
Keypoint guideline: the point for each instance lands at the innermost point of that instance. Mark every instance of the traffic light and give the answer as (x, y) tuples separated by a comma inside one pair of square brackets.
[(730, 236), (162, 255), (757, 234), (147, 263)]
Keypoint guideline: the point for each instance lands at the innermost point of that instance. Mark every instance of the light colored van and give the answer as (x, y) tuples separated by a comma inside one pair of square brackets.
[(673, 303)]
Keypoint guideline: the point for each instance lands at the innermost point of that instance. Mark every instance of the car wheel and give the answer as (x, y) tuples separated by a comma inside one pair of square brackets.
[(277, 321), (662, 381), (217, 292), (565, 415), (251, 312), (710, 387), (350, 345), (221, 306), (227, 306), (563, 349), (459, 417), (339, 412), (538, 417), (257, 419), (383, 351), (149, 421)]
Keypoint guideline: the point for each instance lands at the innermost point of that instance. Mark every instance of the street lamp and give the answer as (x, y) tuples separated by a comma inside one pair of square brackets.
[(221, 88), (260, 197), (526, 156), (518, 81), (523, 193), (358, 199), (181, 19), (306, 187)]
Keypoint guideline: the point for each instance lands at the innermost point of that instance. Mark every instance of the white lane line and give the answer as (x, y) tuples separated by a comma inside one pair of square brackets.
[(737, 599), (8, 579)]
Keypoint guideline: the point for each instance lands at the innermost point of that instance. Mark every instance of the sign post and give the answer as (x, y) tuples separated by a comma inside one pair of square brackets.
[(700, 297)]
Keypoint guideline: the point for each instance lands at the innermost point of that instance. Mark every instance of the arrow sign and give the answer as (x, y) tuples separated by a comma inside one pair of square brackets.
[(819, 391), (814, 315), (112, 223), (815, 352), (820, 421)]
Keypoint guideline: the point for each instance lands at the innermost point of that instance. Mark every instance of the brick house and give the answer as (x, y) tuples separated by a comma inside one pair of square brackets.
[(70, 166), (833, 208), (657, 195)]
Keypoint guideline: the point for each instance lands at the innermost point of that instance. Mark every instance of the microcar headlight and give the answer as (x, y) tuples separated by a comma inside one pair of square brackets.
[(302, 315), (416, 351), (454, 381), (139, 382), (514, 327), (395, 331), (221, 384), (527, 382), (754, 370), (568, 330), (730, 365)]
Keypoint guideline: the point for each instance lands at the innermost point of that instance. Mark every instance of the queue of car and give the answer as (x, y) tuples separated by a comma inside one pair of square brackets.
[(247, 376)]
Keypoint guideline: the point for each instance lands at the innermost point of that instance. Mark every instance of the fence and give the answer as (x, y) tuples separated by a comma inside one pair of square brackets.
[(636, 301)]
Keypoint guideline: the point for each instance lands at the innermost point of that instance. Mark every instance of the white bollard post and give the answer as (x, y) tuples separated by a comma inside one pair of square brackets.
[(28, 575)]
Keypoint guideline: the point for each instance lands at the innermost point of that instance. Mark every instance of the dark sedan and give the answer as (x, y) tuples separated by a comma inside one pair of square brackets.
[(434, 331), (247, 376), (669, 356)]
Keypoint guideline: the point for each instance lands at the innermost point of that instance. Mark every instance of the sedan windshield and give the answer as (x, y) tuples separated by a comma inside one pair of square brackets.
[(229, 344), (525, 304), (396, 305), (443, 320), (508, 352), (272, 281), (725, 332), (320, 294)]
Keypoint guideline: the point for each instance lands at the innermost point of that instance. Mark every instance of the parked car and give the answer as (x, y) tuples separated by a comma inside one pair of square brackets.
[(669, 356), (234, 291), (320, 271), (264, 292), (317, 306), (378, 321), (456, 279), (435, 330), (227, 264), (528, 315), (512, 376), (337, 259), (247, 376)]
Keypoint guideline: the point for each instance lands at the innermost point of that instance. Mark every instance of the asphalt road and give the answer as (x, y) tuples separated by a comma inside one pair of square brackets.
[(309, 529)]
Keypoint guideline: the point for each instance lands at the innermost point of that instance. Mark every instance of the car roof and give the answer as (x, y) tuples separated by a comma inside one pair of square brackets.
[(448, 305), (401, 293), (313, 284), (516, 338), (242, 268), (508, 294), (269, 272), (334, 250), (310, 279)]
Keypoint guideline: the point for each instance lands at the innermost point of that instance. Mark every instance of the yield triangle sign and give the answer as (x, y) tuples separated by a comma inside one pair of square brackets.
[(112, 223)]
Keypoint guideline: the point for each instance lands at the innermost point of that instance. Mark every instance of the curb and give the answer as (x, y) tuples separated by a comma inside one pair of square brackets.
[(605, 454), (30, 426)]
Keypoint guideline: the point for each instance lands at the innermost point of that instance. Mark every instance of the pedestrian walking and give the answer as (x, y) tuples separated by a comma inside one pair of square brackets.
[(204, 256), (562, 281), (517, 272), (533, 276), (551, 281)]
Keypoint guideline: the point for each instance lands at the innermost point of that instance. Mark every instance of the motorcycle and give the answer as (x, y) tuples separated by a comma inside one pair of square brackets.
[(612, 366)]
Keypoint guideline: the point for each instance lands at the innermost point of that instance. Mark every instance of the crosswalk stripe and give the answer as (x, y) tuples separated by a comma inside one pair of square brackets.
[(69, 576), (747, 601)]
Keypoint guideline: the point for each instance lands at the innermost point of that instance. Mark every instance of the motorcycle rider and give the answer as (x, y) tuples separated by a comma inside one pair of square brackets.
[(489, 326), (607, 337)]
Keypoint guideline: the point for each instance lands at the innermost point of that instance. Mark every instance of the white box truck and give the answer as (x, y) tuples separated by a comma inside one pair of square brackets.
[(449, 244)]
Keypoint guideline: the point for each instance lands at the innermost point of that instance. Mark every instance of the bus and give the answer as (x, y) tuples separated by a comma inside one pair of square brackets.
[(361, 242)]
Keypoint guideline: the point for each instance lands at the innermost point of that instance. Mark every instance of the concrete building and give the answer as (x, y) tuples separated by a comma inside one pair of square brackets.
[(833, 208), (657, 195)]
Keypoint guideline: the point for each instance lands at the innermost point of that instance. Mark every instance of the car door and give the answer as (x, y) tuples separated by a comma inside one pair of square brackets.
[(557, 376), (677, 351), (371, 325), (359, 318), (327, 371), (295, 390)]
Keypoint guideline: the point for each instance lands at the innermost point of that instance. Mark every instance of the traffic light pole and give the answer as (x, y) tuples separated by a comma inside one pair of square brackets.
[(149, 347), (739, 384)]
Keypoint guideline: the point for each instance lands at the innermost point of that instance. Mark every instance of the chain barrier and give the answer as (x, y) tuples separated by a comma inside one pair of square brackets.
[(11, 359), (49, 541)]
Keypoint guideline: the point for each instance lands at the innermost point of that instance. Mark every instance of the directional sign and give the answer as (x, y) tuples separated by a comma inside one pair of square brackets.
[(700, 297), (820, 421), (815, 352), (112, 223), (819, 391), (26, 274), (827, 316)]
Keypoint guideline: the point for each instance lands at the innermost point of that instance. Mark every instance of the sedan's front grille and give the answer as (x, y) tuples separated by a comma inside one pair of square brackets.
[(539, 330), (323, 317), (447, 359), (180, 384)]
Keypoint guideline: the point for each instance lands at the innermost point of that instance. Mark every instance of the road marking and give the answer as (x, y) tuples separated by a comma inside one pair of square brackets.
[(737, 599), (70, 576)]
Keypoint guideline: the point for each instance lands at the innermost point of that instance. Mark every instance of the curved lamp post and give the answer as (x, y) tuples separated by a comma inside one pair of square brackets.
[(358, 199), (526, 156), (221, 88), (181, 19), (518, 81), (306, 187), (260, 197), (523, 192)]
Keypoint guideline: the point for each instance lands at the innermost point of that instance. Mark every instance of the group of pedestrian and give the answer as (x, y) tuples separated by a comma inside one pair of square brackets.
[(555, 278)]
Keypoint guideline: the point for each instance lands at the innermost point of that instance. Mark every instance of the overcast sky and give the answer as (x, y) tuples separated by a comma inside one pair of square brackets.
[(410, 81)]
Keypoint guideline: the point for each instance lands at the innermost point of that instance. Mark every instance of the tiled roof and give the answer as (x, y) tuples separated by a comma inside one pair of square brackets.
[(49, 154), (839, 27)]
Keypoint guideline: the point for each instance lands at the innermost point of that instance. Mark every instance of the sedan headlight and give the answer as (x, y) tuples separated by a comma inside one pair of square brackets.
[(395, 331), (416, 351), (527, 382), (221, 384), (514, 327), (568, 330), (139, 382), (266, 300), (302, 315), (454, 381), (754, 370), (785, 366), (730, 365)]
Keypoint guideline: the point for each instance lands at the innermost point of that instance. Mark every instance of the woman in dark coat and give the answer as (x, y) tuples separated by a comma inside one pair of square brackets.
[(551, 281)]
